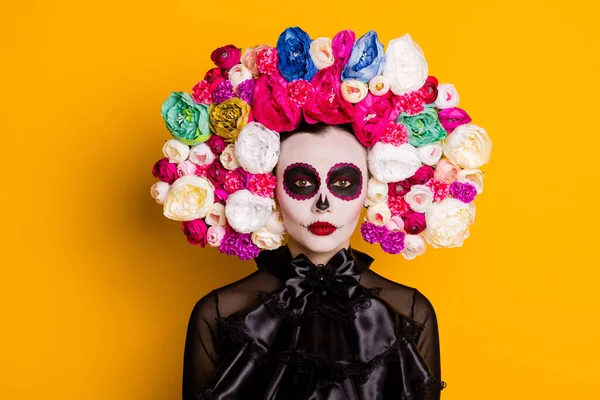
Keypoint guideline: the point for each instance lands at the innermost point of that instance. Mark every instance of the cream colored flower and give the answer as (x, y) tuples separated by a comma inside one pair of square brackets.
[(275, 223), (257, 148), (379, 85), (267, 240), (228, 158), (247, 212), (469, 146), (419, 198), (448, 222), (390, 163), (189, 198), (354, 90), (216, 215), (159, 191), (238, 74), (321, 53), (201, 154), (447, 96), (377, 192), (473, 176), (379, 214), (176, 151), (414, 246), (405, 65)]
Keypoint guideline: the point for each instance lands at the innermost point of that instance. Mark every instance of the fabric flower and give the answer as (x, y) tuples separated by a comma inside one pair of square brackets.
[(201, 154), (447, 96), (469, 146), (267, 60), (249, 58), (379, 214), (397, 205), (295, 61), (217, 144), (201, 92), (414, 222), (228, 158), (463, 191), (267, 240), (395, 134), (227, 118), (399, 188), (239, 73), (410, 103), (431, 153), (328, 105), (440, 189), (245, 90), (372, 233), (247, 212), (214, 76), (189, 198), (422, 175), (262, 184), (372, 117), (215, 215), (272, 107), (429, 91), (414, 246), (341, 47), (451, 118), (445, 171), (321, 53), (165, 170), (354, 90), (448, 223), (239, 244), (202, 170), (419, 198), (377, 192), (366, 59), (186, 120), (390, 163), (195, 231), (226, 57), (223, 91), (300, 91), (275, 223), (423, 128), (159, 191), (216, 173), (257, 148), (379, 85), (393, 243), (221, 194), (176, 151), (473, 176), (236, 180), (214, 235), (186, 168), (395, 223), (405, 65)]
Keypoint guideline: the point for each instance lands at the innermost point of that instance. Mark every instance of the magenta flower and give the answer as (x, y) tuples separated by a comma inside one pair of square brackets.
[(452, 118), (224, 91), (165, 170), (262, 184), (195, 231), (239, 244), (341, 46), (226, 57), (414, 222), (245, 90), (201, 93), (393, 243), (463, 191), (216, 143), (372, 233)]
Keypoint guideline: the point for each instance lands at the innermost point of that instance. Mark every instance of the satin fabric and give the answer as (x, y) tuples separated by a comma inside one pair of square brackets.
[(321, 336)]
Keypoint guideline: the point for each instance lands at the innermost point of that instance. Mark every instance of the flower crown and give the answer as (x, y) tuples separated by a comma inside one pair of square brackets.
[(424, 153)]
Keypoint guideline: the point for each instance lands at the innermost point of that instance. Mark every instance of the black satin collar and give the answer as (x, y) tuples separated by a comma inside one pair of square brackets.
[(280, 263)]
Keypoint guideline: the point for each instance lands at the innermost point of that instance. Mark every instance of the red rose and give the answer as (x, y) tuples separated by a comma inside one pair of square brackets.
[(414, 222), (216, 143), (327, 104), (214, 76), (429, 90), (216, 172), (195, 231), (271, 105), (396, 189), (422, 175), (165, 170), (226, 57)]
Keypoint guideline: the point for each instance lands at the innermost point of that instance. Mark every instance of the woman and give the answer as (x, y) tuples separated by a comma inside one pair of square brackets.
[(314, 321)]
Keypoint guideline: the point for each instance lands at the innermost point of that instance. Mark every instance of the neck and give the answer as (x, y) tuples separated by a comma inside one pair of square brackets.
[(316, 257)]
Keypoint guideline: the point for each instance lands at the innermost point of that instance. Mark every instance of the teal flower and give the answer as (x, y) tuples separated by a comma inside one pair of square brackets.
[(187, 121), (423, 128)]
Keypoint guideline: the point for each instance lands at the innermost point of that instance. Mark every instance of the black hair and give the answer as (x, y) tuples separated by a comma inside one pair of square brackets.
[(316, 129)]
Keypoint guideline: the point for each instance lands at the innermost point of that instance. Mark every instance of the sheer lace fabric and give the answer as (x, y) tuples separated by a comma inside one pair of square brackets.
[(293, 332)]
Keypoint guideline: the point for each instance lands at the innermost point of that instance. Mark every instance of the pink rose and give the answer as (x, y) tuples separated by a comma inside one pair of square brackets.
[(226, 57), (236, 180), (452, 118), (165, 170), (186, 168), (267, 60), (372, 117), (195, 231), (414, 222), (202, 170), (272, 107), (395, 223), (341, 46), (214, 235), (397, 205), (410, 103), (429, 90), (395, 134), (328, 105), (445, 171), (423, 174), (216, 143), (249, 58)]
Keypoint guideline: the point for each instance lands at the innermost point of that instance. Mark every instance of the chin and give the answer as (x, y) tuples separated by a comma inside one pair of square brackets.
[(324, 244)]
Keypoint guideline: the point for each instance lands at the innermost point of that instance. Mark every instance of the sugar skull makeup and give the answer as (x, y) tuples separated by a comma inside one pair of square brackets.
[(320, 191)]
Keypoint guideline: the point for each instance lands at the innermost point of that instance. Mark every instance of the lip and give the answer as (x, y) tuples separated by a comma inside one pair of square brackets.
[(321, 228)]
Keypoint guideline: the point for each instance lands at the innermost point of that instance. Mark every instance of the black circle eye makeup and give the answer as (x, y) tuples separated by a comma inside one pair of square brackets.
[(301, 181), (344, 181)]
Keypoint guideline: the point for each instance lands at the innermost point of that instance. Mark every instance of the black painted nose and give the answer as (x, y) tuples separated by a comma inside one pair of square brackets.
[(322, 204)]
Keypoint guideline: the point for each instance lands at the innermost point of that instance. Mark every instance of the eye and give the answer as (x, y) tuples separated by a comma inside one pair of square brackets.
[(343, 183), (303, 183)]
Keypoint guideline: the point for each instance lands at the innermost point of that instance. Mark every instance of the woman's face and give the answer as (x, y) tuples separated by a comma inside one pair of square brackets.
[(321, 187)]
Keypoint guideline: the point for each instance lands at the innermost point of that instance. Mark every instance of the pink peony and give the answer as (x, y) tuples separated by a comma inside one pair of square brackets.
[(234, 181), (395, 134), (272, 107), (249, 58), (262, 184), (440, 189), (202, 170), (195, 231), (410, 103), (201, 92), (452, 118), (341, 45), (372, 117), (214, 235), (300, 91), (266, 61), (328, 105), (397, 205)]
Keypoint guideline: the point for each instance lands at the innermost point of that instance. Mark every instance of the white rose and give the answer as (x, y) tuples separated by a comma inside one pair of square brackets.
[(379, 214), (354, 90), (275, 223), (390, 163), (447, 96), (176, 151), (469, 146), (238, 74), (267, 240), (321, 53), (414, 246), (216, 215), (159, 191), (257, 148), (448, 222), (228, 158), (473, 176), (377, 192), (189, 198), (201, 154), (186, 168), (379, 85), (431, 153), (419, 198), (405, 65), (247, 212)]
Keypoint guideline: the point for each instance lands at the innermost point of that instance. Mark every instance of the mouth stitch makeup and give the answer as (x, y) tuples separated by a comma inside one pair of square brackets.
[(301, 172), (345, 172)]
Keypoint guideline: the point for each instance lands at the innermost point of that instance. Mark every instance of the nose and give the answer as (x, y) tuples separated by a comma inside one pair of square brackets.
[(322, 203)]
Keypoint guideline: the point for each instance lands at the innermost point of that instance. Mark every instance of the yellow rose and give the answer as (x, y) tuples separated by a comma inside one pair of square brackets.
[(228, 118), (189, 198)]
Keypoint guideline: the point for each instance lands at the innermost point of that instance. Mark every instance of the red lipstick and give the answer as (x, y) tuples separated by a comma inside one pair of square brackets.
[(321, 228)]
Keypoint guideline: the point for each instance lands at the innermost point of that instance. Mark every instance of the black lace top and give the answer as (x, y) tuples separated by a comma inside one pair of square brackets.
[(293, 330)]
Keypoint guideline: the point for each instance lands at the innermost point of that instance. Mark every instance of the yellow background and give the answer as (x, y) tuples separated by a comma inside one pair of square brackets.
[(97, 285)]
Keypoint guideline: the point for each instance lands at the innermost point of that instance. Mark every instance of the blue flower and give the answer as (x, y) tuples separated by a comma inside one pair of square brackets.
[(366, 59), (294, 58)]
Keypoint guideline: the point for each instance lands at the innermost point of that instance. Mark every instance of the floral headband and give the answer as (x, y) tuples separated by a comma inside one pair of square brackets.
[(424, 153)]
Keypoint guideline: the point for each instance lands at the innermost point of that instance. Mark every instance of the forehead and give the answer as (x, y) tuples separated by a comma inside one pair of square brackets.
[(323, 150)]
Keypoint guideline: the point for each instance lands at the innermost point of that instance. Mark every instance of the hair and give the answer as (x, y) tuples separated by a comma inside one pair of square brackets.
[(316, 129)]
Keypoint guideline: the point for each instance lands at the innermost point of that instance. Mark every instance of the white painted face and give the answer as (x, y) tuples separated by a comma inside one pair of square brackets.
[(321, 187)]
